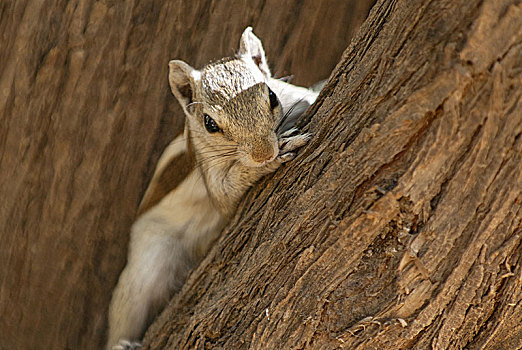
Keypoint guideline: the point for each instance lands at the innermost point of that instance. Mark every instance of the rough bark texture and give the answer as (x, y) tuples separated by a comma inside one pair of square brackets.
[(85, 110), (399, 227)]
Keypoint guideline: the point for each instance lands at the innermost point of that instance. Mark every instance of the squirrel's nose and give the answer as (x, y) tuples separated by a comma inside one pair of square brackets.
[(261, 157), (263, 152)]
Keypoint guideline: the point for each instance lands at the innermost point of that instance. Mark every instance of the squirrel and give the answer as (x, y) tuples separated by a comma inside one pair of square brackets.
[(237, 129)]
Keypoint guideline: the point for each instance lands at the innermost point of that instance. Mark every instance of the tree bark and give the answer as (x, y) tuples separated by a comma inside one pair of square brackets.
[(85, 111), (399, 226)]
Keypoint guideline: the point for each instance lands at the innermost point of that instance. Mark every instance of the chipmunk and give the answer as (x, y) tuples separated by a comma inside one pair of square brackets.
[(234, 135)]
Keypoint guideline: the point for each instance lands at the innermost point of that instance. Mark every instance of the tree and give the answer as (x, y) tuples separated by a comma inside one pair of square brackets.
[(400, 224), (85, 111)]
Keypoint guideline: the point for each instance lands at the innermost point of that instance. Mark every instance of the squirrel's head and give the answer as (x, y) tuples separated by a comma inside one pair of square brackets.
[(229, 104)]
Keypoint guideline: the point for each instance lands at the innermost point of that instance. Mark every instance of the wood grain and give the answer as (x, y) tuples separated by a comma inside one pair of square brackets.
[(400, 225)]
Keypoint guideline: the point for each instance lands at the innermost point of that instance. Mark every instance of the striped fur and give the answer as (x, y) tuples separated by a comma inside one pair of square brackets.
[(201, 177)]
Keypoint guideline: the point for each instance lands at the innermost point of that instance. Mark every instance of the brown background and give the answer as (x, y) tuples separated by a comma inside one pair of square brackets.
[(85, 111)]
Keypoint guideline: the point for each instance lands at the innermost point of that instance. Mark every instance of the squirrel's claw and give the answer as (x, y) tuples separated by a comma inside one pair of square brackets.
[(289, 144), (286, 157), (289, 132)]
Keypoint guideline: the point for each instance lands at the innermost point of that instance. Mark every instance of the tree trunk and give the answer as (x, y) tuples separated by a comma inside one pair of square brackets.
[(399, 226), (85, 111)]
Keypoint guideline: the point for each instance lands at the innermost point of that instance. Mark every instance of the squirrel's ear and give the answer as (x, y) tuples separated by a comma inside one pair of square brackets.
[(250, 47), (182, 79)]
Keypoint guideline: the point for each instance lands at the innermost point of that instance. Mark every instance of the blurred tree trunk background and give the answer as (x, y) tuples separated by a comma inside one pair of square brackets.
[(85, 112)]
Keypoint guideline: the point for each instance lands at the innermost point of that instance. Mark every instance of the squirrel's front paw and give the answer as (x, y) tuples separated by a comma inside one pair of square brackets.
[(289, 142), (125, 344)]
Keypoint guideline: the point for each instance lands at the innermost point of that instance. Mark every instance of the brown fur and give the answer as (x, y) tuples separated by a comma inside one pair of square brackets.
[(173, 235)]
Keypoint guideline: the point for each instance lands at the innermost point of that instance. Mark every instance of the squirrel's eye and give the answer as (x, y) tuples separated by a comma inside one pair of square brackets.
[(210, 124), (274, 102)]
